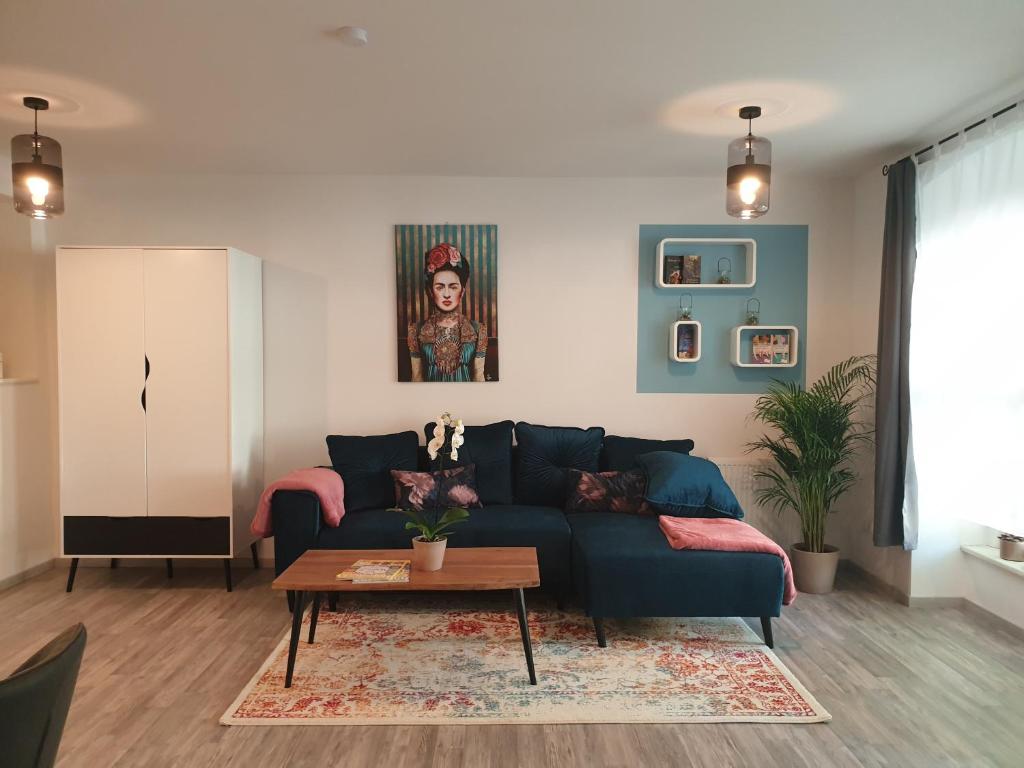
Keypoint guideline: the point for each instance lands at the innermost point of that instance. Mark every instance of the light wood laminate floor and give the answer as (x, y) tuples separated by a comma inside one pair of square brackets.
[(906, 687)]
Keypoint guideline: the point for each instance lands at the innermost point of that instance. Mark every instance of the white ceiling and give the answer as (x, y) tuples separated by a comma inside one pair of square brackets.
[(496, 87)]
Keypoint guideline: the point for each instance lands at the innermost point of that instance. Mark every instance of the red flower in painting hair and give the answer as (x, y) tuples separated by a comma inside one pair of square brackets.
[(443, 255)]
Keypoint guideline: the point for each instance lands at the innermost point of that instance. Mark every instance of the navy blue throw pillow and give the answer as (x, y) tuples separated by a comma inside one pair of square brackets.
[(687, 486), (619, 453), (489, 447), (365, 464), (545, 456)]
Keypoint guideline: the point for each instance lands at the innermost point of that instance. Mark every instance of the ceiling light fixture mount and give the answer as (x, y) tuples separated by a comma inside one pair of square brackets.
[(36, 171), (748, 178), (354, 37)]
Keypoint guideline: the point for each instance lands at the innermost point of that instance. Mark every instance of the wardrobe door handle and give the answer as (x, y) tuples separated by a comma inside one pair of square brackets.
[(145, 381)]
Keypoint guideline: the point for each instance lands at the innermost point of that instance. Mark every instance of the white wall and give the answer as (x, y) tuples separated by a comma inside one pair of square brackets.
[(27, 524), (567, 264)]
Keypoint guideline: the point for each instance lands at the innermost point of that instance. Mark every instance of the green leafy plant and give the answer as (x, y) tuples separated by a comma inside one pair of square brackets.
[(434, 525), (817, 437)]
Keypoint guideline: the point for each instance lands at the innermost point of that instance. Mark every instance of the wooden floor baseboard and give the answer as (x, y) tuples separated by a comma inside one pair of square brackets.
[(28, 573)]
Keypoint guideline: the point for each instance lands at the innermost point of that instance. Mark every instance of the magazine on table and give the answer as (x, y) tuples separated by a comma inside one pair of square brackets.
[(376, 571)]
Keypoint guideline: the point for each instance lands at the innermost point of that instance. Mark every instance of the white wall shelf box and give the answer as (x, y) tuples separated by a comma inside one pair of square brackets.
[(749, 270), (673, 341), (742, 358), (160, 401)]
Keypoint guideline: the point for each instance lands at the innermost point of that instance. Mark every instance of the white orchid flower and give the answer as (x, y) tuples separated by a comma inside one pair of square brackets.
[(455, 454), (459, 429), (434, 446)]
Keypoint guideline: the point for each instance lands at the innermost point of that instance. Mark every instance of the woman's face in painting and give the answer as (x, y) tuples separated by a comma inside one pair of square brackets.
[(446, 290)]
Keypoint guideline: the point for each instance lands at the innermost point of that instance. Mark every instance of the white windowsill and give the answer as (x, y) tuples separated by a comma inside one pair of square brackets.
[(991, 555)]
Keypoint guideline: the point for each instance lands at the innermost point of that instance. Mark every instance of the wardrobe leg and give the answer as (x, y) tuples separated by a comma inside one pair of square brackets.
[(170, 569), (227, 573), (71, 573), (254, 548)]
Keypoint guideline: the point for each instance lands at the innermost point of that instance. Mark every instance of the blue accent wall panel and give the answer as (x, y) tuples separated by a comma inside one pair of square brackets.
[(781, 287)]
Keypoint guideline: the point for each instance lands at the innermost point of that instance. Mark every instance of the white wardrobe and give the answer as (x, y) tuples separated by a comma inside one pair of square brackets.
[(160, 371)]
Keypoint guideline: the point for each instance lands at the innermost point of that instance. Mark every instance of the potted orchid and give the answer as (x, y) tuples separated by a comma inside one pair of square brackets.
[(433, 525)]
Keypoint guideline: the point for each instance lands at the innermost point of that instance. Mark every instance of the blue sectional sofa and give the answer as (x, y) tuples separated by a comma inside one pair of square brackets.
[(617, 565)]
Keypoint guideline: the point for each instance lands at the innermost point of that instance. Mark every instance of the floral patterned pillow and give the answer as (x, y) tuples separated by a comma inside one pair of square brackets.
[(445, 488), (607, 492)]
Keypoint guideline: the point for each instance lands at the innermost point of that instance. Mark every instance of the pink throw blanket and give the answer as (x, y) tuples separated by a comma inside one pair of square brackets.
[(325, 483), (724, 534)]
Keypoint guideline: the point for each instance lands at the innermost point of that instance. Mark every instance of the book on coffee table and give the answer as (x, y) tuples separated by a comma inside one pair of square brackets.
[(375, 571)]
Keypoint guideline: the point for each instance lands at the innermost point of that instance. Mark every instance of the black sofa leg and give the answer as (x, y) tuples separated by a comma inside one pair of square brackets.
[(766, 630), (170, 568), (254, 549), (291, 600), (602, 641)]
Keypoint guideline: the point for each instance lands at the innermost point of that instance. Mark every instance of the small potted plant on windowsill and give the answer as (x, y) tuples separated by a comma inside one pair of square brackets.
[(817, 437), (1011, 547), (433, 524)]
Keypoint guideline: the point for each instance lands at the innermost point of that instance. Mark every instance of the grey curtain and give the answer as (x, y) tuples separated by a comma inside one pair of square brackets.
[(892, 398)]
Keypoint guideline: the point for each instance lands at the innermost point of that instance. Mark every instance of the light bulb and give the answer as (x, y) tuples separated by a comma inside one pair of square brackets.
[(748, 189), (39, 189)]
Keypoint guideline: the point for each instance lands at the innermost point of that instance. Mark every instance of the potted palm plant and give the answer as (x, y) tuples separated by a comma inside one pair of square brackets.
[(433, 524), (817, 434)]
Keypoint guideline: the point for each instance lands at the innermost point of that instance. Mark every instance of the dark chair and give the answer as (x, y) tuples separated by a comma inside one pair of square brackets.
[(35, 699)]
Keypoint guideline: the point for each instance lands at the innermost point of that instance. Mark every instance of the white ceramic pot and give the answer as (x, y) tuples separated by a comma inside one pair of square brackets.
[(814, 572), (428, 555), (1011, 550)]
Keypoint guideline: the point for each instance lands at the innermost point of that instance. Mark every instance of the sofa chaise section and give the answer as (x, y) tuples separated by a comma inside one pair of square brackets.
[(624, 567)]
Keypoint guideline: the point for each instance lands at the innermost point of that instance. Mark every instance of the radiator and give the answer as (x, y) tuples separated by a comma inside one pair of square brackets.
[(783, 529)]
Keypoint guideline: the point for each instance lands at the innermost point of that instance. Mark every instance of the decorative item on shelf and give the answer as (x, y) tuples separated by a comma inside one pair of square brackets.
[(815, 438), (753, 311), (36, 174), (748, 179), (1011, 547), (684, 343), (724, 273), (429, 546), (691, 269), (686, 306)]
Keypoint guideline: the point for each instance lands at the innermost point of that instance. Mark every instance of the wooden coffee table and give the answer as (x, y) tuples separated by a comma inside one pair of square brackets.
[(465, 569)]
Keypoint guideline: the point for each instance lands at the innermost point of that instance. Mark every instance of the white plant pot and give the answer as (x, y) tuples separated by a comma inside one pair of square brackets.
[(428, 555), (1011, 550), (814, 572)]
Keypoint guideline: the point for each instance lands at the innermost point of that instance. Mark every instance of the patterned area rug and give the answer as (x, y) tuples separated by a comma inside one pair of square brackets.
[(415, 661)]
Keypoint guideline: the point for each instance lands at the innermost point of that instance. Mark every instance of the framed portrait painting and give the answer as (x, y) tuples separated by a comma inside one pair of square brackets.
[(447, 280)]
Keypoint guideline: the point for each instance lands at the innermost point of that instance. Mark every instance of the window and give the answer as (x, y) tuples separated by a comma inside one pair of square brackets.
[(967, 329)]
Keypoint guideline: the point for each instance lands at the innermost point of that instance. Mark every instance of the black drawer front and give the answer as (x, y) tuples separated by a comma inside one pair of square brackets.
[(147, 536)]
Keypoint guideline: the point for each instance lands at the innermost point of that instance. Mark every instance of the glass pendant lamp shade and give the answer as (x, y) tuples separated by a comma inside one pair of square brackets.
[(748, 179), (36, 173)]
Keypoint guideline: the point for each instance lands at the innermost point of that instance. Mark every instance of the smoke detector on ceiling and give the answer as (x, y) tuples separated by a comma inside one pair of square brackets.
[(354, 37)]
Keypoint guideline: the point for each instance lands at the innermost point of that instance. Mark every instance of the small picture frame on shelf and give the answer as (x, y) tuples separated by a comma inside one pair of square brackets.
[(691, 269), (759, 346), (761, 349), (684, 343), (672, 270)]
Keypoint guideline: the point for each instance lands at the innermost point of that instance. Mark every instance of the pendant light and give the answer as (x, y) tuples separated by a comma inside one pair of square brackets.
[(748, 180), (36, 169)]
